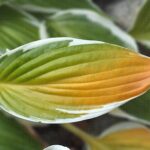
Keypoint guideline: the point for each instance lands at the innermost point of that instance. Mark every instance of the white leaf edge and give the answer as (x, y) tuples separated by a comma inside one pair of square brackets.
[(126, 125), (102, 21), (27, 16), (31, 20), (122, 127), (146, 43), (120, 113), (92, 113)]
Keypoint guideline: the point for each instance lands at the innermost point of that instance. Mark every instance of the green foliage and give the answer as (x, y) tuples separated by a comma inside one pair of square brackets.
[(139, 108), (141, 27), (89, 25), (16, 28), (65, 79), (52, 6), (14, 137)]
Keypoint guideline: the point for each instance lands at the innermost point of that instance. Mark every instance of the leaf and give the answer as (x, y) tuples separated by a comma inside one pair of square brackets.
[(66, 80), (56, 147), (138, 109), (86, 24), (122, 136), (16, 28), (2, 1), (125, 136), (141, 27), (14, 137), (53, 6)]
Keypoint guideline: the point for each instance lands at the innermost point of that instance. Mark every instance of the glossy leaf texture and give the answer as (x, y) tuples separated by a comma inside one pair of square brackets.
[(124, 136), (16, 28), (141, 27), (66, 80), (136, 110), (14, 137), (53, 6), (86, 24)]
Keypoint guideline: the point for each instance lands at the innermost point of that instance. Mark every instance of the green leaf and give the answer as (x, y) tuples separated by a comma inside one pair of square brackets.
[(2, 1), (138, 109), (86, 24), (65, 80), (16, 28), (141, 27), (52, 6), (14, 137)]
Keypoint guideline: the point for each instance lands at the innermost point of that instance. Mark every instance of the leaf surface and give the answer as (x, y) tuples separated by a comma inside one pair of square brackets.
[(66, 80), (52, 6), (16, 28), (14, 137), (122, 136), (126, 136), (86, 24), (141, 27), (138, 109)]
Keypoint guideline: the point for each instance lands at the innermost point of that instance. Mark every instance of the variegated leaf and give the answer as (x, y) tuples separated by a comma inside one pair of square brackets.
[(124, 136), (16, 28), (86, 24), (65, 80)]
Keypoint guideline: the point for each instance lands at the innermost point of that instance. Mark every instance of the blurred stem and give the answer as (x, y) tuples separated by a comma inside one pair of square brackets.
[(32, 132), (88, 139)]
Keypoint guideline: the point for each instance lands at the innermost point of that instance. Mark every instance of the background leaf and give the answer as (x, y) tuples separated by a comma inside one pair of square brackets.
[(2, 1), (141, 27), (65, 79), (14, 137), (139, 108), (16, 28), (122, 136), (89, 25), (52, 6), (126, 136)]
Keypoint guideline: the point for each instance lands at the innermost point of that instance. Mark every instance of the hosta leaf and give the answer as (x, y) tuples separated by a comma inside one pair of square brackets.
[(16, 28), (137, 109), (125, 136), (122, 136), (141, 27), (89, 25), (52, 6), (14, 137), (64, 79)]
